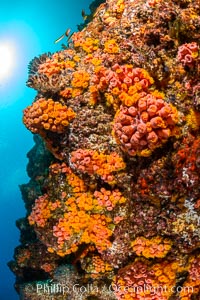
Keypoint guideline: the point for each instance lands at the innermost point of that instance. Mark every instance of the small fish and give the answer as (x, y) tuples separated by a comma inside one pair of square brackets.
[(62, 36), (67, 32), (59, 39), (84, 15)]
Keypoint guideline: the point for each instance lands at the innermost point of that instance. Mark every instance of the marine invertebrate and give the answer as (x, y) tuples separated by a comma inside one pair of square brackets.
[(145, 126), (88, 44), (95, 266), (76, 183), (154, 247), (80, 79), (111, 46), (78, 224), (55, 65), (42, 211), (84, 216), (186, 162), (66, 93), (122, 83), (193, 119), (187, 53), (109, 199), (50, 73), (192, 283), (140, 280), (92, 162), (46, 114), (110, 203)]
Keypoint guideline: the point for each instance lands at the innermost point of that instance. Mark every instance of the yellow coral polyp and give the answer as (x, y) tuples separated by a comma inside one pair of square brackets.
[(94, 93), (80, 79), (157, 94), (193, 119), (76, 183), (76, 58), (111, 46), (120, 5), (96, 62), (96, 265), (89, 45), (146, 75), (144, 153)]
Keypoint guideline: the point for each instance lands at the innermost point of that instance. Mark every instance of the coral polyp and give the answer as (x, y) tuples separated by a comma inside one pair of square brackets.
[(113, 199), (145, 125), (46, 114)]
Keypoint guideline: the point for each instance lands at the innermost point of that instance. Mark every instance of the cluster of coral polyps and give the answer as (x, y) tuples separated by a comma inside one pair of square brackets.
[(155, 247), (84, 216), (142, 280), (145, 125), (117, 195), (188, 54), (46, 114), (91, 162)]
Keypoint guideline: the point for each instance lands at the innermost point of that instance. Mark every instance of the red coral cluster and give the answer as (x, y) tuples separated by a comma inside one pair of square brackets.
[(42, 211), (122, 83), (142, 281), (187, 165), (155, 247), (46, 114), (188, 53), (92, 162), (192, 284), (144, 126), (109, 199)]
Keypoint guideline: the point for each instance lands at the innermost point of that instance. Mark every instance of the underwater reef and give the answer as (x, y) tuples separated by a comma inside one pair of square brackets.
[(113, 201)]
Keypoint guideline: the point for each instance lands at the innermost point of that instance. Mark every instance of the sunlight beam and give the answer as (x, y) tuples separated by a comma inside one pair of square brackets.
[(7, 60)]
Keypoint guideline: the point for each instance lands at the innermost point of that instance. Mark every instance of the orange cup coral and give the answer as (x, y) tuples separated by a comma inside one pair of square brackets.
[(151, 248), (145, 125), (42, 211), (46, 114), (92, 162)]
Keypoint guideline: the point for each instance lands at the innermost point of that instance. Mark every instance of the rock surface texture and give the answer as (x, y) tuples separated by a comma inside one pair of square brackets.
[(113, 201)]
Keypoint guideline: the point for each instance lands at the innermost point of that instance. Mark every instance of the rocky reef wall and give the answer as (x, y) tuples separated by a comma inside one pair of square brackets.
[(113, 200)]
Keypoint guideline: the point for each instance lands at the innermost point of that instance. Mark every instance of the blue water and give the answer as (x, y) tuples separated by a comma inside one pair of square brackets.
[(31, 27)]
